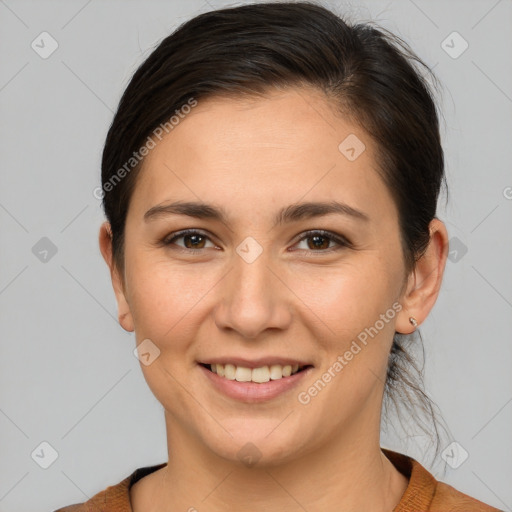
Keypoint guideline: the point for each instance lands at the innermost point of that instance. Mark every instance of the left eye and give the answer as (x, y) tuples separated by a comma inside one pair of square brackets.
[(319, 240)]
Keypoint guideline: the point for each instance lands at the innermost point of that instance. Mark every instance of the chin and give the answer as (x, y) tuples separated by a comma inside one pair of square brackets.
[(257, 443)]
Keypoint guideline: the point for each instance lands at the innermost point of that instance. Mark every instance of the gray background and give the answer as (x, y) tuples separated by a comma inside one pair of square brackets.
[(68, 376)]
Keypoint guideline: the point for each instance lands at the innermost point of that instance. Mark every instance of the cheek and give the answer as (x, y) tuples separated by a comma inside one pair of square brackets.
[(346, 298), (163, 294), (165, 302), (355, 305)]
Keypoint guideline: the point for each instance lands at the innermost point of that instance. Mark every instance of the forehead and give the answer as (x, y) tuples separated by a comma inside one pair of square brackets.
[(281, 148)]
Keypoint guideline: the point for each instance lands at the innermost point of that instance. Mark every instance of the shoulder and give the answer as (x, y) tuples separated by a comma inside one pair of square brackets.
[(115, 498), (447, 498), (112, 499), (78, 507), (426, 494)]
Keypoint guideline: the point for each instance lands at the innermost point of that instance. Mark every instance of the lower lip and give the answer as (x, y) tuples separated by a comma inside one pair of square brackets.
[(253, 391)]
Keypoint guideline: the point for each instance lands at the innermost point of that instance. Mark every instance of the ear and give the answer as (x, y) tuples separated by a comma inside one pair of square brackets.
[(124, 314), (424, 282)]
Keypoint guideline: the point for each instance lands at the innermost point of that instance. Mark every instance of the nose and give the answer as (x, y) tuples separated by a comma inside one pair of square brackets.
[(254, 298)]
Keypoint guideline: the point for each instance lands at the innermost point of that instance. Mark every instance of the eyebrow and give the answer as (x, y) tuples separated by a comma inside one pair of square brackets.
[(291, 213)]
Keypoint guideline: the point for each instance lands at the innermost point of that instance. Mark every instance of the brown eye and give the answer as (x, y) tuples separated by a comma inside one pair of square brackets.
[(318, 241), (192, 240)]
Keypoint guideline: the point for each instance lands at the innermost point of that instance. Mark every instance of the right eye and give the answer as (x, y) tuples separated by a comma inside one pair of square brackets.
[(194, 240)]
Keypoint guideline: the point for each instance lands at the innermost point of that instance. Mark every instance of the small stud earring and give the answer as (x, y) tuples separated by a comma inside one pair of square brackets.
[(413, 321)]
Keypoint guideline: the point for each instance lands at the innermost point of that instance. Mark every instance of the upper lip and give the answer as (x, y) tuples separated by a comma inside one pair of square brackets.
[(255, 363)]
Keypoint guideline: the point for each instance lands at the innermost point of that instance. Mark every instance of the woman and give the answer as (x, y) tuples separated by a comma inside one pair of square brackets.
[(270, 181)]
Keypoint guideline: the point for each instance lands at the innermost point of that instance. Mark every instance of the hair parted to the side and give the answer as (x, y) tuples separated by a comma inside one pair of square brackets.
[(367, 74)]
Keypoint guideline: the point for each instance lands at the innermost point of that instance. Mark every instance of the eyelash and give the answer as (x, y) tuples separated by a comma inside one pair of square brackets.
[(341, 241)]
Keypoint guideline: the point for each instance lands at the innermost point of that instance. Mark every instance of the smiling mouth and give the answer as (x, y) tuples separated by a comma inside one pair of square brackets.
[(257, 375)]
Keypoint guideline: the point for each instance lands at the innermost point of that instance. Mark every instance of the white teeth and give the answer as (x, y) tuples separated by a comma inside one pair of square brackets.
[(243, 374), (229, 371), (276, 371), (260, 375)]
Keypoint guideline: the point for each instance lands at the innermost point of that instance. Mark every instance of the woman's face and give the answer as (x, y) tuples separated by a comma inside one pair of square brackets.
[(255, 289)]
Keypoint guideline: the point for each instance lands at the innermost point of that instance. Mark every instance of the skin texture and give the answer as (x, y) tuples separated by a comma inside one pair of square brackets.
[(251, 157)]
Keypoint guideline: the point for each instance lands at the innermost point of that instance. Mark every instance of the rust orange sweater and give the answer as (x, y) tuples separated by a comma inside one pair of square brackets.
[(423, 494)]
